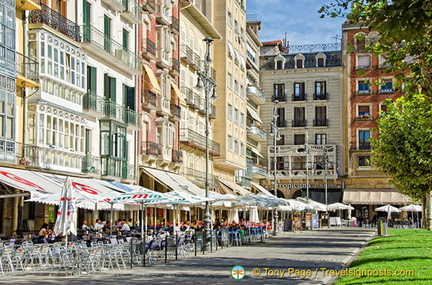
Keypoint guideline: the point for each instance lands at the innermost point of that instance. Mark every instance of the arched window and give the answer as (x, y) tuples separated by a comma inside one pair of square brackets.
[(320, 60), (299, 61), (360, 41)]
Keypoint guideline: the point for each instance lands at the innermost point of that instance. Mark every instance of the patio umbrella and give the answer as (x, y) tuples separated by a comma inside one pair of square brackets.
[(412, 208), (389, 209), (311, 204), (339, 206), (253, 215), (66, 218), (233, 216)]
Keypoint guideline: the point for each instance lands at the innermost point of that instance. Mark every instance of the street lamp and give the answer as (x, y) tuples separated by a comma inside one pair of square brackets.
[(276, 137), (208, 84)]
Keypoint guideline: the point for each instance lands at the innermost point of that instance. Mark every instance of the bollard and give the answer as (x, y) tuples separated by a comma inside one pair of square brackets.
[(382, 227)]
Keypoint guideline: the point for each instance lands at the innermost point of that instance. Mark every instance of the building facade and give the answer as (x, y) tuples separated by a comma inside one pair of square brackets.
[(304, 111)]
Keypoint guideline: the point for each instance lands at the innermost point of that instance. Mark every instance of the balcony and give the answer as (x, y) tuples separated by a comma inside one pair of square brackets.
[(243, 178), (320, 122), (165, 155), (91, 164), (255, 94), (320, 96), (149, 6), (258, 171), (99, 107), (280, 98), (187, 55), (175, 25), (163, 107), (256, 133), (128, 172), (113, 167), (198, 141), (151, 148), (175, 112), (149, 99), (177, 156), (131, 13), (163, 58), (299, 123), (116, 5), (282, 123), (212, 114), (175, 68), (28, 71), (299, 97), (199, 177), (149, 49), (364, 145), (56, 21), (97, 43)]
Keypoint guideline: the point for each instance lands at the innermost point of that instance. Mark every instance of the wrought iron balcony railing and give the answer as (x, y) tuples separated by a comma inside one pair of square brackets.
[(56, 21), (320, 122), (177, 156), (299, 97), (197, 141), (299, 123), (320, 96), (151, 148), (91, 164)]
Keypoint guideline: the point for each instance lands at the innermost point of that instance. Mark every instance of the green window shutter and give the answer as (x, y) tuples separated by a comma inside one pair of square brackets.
[(106, 86), (125, 40), (112, 89), (107, 33), (86, 21), (91, 79)]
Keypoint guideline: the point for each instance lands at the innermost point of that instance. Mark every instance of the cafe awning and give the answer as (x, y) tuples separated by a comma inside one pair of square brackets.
[(231, 187), (261, 189), (374, 197), (178, 93), (151, 83)]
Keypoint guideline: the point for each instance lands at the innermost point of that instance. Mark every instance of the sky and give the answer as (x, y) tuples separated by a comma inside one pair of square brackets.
[(299, 19)]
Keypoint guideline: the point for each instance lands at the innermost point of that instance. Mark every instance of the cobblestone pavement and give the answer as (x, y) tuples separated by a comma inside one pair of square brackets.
[(286, 257)]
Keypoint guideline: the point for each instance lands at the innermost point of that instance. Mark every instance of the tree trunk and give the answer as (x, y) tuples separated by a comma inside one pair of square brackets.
[(427, 211)]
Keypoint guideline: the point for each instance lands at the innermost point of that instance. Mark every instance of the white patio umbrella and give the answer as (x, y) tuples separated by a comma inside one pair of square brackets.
[(233, 216), (413, 208), (314, 205), (66, 216), (253, 215), (339, 206), (389, 209)]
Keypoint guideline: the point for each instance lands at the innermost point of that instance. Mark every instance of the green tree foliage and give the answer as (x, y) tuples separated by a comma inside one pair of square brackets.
[(404, 146)]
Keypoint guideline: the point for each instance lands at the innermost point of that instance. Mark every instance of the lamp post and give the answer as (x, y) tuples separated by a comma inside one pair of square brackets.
[(208, 84), (307, 162), (275, 131)]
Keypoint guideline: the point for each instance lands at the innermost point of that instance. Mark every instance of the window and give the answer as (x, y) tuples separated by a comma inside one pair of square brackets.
[(320, 90), (230, 80), (299, 139), (320, 62), (279, 92), (280, 121), (230, 111), (279, 64), (230, 19), (299, 63), (360, 41), (299, 117), (320, 116), (236, 86), (230, 143), (383, 109), (387, 87), (363, 112), (364, 161), (281, 140), (236, 115), (107, 33), (364, 136), (242, 119), (320, 139), (363, 87), (363, 61), (299, 91), (236, 146)]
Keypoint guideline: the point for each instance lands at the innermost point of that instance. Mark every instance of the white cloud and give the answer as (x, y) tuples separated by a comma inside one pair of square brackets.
[(298, 18)]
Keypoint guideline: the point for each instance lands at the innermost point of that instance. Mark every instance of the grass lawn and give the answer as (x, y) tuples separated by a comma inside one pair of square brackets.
[(406, 253)]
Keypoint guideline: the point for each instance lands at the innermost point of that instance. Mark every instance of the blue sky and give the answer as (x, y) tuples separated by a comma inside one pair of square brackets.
[(297, 18)]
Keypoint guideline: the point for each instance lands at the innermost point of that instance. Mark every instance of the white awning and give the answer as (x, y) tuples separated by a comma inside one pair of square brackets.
[(242, 61), (230, 49), (254, 114), (237, 55), (262, 189), (234, 187), (254, 150), (175, 182), (374, 197)]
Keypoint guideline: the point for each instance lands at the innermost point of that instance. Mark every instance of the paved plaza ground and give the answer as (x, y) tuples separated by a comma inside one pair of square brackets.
[(289, 258)]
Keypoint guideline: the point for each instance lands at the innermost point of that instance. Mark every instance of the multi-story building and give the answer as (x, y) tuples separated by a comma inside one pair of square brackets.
[(256, 132), (303, 110), (367, 86), (231, 107), (196, 24)]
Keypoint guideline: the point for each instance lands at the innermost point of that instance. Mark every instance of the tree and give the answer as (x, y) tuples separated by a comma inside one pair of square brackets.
[(405, 132)]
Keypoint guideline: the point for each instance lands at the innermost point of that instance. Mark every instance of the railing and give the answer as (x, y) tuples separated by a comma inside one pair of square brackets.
[(299, 97), (175, 24), (27, 67), (149, 98), (43, 157), (115, 49), (320, 122), (56, 21), (281, 123), (177, 156), (128, 171), (320, 96), (212, 113), (175, 111), (254, 90), (151, 47), (110, 109), (254, 130), (364, 145), (187, 54), (280, 98), (258, 170), (132, 7), (91, 164), (151, 148), (116, 167), (198, 141), (176, 65), (199, 177), (299, 123), (149, 5)]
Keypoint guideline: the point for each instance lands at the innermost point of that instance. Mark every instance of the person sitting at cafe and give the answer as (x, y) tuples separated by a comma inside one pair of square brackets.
[(124, 226), (85, 226), (44, 231), (98, 225)]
